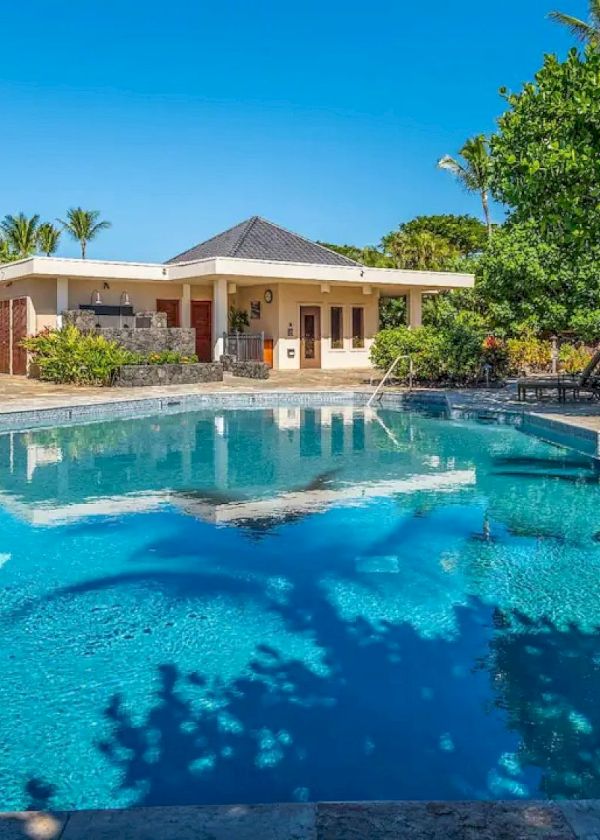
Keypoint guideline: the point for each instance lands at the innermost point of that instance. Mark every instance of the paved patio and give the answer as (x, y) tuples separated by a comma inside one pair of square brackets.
[(18, 393), (322, 821)]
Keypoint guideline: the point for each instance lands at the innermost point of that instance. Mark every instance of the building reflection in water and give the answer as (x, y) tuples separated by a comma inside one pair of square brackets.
[(234, 467)]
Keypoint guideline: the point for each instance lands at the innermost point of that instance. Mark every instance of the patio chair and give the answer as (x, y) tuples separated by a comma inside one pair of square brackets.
[(563, 385)]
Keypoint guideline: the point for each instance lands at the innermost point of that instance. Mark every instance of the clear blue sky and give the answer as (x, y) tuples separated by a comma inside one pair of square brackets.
[(179, 119)]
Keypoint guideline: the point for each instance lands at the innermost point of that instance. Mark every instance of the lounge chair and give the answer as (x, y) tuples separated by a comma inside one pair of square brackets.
[(563, 385)]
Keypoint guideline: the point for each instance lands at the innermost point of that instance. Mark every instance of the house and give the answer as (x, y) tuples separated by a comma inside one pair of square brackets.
[(314, 308)]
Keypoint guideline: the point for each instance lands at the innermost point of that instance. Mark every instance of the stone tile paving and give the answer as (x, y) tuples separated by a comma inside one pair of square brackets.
[(322, 821)]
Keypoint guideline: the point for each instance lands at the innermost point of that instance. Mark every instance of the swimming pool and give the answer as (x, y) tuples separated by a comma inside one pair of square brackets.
[(296, 604)]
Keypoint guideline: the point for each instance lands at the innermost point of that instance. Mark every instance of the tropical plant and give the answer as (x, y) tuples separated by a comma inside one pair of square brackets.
[(528, 353), (369, 255), (69, 356), (573, 359), (586, 31), (6, 255), (20, 233), (238, 319), (420, 250), (83, 226), (48, 237), (160, 357), (473, 171)]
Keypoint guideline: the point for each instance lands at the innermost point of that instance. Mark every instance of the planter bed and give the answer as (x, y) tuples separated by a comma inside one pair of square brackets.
[(130, 376)]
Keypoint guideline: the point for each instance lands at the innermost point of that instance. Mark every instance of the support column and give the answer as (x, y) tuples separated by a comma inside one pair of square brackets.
[(62, 299), (414, 302), (186, 306), (219, 316)]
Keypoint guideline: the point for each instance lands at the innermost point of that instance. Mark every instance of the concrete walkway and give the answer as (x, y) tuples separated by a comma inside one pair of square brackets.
[(322, 821)]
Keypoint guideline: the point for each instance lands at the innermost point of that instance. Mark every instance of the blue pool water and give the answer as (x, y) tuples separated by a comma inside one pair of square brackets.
[(294, 604)]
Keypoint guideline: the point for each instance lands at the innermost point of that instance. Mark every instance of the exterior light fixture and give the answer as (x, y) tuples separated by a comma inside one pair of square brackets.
[(96, 298), (125, 299)]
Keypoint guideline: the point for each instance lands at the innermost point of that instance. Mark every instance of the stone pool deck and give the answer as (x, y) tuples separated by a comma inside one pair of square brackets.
[(319, 821)]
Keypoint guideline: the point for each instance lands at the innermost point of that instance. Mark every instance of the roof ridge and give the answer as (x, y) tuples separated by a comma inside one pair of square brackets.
[(248, 225), (212, 238), (305, 239)]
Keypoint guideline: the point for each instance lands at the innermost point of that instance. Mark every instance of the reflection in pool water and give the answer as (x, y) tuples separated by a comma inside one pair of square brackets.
[(294, 604)]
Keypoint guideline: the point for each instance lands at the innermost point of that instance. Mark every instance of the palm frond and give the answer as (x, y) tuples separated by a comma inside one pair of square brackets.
[(581, 30)]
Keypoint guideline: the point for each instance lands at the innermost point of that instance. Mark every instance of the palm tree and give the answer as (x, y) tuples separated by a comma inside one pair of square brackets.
[(83, 225), (588, 32), (473, 171), (6, 254), (47, 238), (420, 250), (20, 233)]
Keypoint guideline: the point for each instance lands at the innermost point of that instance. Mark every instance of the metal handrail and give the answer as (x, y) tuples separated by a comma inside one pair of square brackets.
[(389, 372)]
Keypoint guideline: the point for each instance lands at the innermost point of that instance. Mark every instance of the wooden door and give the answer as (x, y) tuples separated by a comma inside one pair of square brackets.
[(310, 336), (4, 336), (268, 352), (19, 332), (201, 321), (171, 309)]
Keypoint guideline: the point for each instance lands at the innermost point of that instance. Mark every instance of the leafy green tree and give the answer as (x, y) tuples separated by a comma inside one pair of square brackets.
[(528, 283), (546, 153), (473, 171), (392, 312), (83, 226), (48, 237), (369, 255), (466, 233), (586, 31), (420, 250), (20, 234)]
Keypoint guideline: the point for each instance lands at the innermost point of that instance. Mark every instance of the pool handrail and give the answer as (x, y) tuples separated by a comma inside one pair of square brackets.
[(389, 372)]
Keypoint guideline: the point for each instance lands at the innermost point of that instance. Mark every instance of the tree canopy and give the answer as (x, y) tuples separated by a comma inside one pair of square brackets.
[(546, 161), (466, 233)]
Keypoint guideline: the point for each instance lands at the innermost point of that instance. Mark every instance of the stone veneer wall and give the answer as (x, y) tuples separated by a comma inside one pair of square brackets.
[(152, 339), (143, 375), (249, 369)]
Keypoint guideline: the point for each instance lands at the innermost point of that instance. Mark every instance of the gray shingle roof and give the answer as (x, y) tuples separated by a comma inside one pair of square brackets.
[(258, 239)]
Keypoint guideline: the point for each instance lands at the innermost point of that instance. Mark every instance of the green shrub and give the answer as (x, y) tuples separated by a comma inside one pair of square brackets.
[(163, 357), (68, 356), (528, 354), (573, 359), (454, 353)]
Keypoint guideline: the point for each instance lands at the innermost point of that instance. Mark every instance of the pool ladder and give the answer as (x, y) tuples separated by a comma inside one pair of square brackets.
[(389, 372)]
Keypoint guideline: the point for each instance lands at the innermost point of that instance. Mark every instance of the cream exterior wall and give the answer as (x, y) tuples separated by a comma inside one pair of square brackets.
[(42, 295), (293, 296), (275, 318), (269, 312)]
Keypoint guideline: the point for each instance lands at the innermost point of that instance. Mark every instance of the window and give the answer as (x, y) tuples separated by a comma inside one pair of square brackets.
[(337, 328), (358, 327)]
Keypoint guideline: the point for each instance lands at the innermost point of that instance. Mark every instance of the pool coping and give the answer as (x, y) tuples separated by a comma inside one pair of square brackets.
[(531, 420), (551, 820)]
